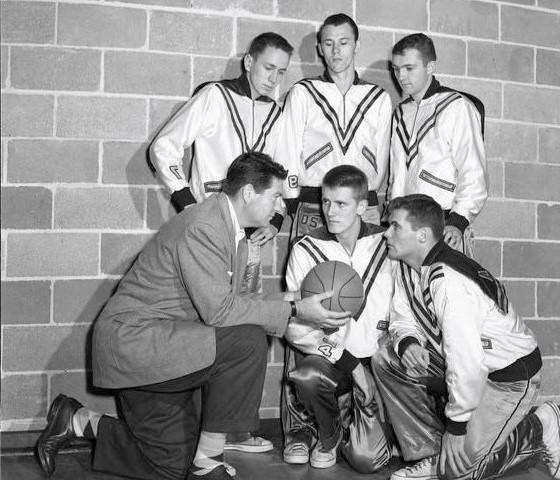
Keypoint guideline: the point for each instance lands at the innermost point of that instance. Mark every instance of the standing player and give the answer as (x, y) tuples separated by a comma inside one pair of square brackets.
[(328, 364), (332, 120), (222, 120), (454, 332), (436, 145)]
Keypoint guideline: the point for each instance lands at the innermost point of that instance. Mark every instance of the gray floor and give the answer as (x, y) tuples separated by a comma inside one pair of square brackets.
[(18, 463)]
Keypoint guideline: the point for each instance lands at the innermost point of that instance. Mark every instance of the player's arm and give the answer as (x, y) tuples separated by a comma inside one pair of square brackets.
[(290, 143), (195, 119), (403, 328), (464, 131), (383, 137), (307, 338), (460, 313)]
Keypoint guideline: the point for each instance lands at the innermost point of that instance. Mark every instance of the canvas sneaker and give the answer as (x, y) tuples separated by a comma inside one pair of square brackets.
[(549, 416), (322, 457), (248, 444), (423, 470)]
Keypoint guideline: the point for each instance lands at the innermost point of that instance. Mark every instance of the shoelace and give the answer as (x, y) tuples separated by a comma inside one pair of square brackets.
[(420, 465)]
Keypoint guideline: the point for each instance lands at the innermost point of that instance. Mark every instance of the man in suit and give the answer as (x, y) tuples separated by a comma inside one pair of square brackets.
[(187, 316)]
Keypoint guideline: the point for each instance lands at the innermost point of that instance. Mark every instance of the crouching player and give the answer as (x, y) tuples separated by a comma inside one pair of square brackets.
[(455, 332), (329, 364)]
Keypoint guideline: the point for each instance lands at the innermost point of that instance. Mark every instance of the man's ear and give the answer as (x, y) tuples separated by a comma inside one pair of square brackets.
[(362, 206), (248, 62), (431, 67), (422, 234), (357, 49), (320, 50), (247, 193)]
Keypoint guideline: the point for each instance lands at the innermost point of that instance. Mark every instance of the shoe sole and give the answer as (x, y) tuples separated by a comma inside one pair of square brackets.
[(249, 448), (316, 464), (296, 460)]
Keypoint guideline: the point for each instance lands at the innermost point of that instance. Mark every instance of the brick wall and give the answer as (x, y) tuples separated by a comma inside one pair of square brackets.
[(87, 84)]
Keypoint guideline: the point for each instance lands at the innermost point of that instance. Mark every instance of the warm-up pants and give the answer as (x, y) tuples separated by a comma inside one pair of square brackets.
[(500, 434), (157, 432)]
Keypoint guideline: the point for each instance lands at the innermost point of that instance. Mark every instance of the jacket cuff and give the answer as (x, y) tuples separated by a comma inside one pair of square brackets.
[(291, 205), (456, 428), (181, 198), (347, 362), (457, 221), (277, 221), (405, 343)]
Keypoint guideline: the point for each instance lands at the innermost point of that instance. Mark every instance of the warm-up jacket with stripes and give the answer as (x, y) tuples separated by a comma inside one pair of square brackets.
[(461, 314), (437, 149), (322, 128), (359, 337), (221, 121)]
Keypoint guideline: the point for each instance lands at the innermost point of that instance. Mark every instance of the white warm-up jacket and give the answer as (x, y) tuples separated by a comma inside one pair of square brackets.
[(437, 149), (359, 337)]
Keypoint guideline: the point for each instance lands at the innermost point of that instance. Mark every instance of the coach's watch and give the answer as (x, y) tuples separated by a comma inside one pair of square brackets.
[(293, 313)]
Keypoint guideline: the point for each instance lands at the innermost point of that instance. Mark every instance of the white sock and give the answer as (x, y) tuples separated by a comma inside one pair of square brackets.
[(210, 453)]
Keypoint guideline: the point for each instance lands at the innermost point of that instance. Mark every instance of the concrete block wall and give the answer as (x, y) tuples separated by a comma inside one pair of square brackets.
[(87, 84)]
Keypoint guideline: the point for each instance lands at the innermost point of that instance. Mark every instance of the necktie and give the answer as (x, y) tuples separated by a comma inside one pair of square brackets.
[(251, 280)]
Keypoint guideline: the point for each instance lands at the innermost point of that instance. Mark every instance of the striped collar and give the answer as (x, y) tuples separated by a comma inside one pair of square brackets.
[(326, 77), (435, 87), (239, 85)]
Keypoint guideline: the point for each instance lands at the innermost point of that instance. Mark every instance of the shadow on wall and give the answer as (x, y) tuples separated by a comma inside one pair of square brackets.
[(74, 352)]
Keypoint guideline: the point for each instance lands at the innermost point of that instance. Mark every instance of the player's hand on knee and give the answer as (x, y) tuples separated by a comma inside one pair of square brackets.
[(310, 310), (453, 461), (416, 360)]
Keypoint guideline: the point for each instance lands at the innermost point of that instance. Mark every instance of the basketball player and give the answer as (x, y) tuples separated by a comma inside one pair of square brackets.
[(436, 144), (332, 120), (454, 332), (222, 120), (329, 363)]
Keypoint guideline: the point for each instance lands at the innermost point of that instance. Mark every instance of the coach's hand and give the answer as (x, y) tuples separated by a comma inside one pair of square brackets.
[(453, 460), (416, 360), (452, 236), (311, 311), (263, 235)]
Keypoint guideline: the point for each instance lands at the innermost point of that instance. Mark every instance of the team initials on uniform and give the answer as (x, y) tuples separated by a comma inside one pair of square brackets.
[(326, 350), (293, 181), (175, 170)]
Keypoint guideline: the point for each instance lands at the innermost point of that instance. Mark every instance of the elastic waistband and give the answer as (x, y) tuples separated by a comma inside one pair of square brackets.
[(313, 195), (522, 369)]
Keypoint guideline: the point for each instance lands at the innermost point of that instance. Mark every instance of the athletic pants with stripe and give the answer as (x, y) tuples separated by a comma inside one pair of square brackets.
[(500, 433), (157, 433)]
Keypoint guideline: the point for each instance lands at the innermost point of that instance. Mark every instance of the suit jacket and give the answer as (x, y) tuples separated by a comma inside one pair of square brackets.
[(160, 323)]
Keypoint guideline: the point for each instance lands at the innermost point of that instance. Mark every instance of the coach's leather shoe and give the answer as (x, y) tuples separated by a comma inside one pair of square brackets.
[(218, 473), (59, 431), (549, 415)]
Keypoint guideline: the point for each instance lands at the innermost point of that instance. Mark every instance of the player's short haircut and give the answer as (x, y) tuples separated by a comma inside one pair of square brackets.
[(254, 168), (336, 20), (347, 176), (269, 39), (422, 211), (420, 42)]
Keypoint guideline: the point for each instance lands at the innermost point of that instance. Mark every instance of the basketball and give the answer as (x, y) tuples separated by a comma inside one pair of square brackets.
[(342, 279)]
